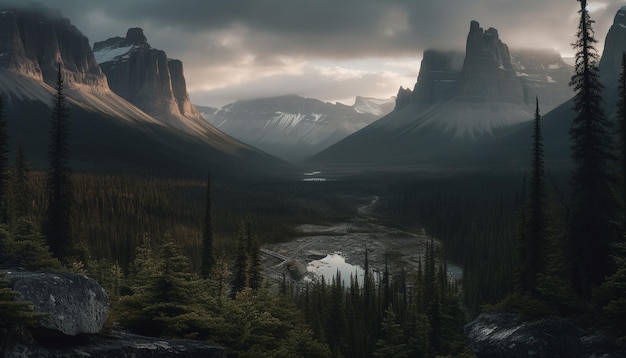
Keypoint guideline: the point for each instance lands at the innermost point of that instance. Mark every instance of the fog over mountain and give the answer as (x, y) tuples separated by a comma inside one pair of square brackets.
[(461, 102), (294, 127)]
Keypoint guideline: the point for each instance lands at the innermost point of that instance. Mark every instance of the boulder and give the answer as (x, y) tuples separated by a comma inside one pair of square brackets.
[(508, 335), (75, 304)]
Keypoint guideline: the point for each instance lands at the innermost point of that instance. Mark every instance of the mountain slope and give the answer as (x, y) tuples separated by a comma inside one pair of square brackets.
[(107, 133), (293, 127), (557, 123), (460, 104)]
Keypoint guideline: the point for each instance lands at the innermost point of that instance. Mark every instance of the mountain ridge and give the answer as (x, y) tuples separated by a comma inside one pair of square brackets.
[(293, 127)]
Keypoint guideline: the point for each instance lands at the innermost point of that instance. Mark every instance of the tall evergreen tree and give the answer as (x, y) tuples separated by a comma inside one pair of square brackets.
[(594, 207), (208, 257), (533, 225), (392, 345), (241, 268), (59, 187), (254, 258), (20, 193), (621, 122), (4, 165)]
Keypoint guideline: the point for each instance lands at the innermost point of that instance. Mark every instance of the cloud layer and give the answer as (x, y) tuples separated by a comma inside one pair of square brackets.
[(250, 48)]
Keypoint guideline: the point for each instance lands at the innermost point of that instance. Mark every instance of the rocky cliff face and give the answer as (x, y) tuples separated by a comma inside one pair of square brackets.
[(34, 40), (489, 72), (611, 61), (439, 75), (487, 69), (146, 77)]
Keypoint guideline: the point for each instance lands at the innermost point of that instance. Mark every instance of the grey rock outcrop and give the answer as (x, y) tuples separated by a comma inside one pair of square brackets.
[(495, 335), (403, 98), (75, 304), (611, 62), (146, 77), (120, 345), (488, 70), (614, 46), (35, 40), (438, 76)]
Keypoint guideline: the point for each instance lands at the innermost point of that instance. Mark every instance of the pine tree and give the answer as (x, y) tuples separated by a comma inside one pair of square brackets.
[(621, 123), (208, 257), (255, 271), (20, 192), (612, 294), (593, 214), (532, 228), (241, 271), (4, 165), (59, 187), (163, 304), (392, 345)]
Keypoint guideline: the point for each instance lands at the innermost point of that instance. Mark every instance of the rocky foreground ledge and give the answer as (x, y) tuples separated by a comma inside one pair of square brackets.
[(496, 335), (77, 308), (118, 345)]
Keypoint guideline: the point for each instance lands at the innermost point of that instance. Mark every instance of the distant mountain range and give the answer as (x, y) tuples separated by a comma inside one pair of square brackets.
[(460, 107), (129, 107), (294, 127), (131, 113)]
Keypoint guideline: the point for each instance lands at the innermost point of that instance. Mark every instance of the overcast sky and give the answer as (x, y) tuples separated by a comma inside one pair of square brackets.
[(327, 49)]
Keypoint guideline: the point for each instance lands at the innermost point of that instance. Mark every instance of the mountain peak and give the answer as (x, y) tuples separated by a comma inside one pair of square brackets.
[(620, 17), (135, 36), (484, 49)]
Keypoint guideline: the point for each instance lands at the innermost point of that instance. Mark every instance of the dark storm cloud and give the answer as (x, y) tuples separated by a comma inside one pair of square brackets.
[(230, 42), (345, 28)]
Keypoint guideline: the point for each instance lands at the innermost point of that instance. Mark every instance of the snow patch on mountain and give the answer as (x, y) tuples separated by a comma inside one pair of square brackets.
[(285, 120), (112, 53), (293, 127)]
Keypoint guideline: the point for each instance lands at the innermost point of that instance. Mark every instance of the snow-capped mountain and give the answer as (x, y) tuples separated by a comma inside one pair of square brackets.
[(460, 102), (147, 78), (107, 132), (294, 127)]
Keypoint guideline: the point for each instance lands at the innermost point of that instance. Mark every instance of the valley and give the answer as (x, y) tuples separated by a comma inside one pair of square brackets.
[(489, 196), (348, 240)]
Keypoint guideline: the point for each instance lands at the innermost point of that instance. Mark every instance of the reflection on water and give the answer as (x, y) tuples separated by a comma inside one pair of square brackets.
[(329, 265)]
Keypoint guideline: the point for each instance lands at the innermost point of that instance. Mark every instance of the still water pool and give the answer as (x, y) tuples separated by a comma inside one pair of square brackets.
[(333, 263)]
